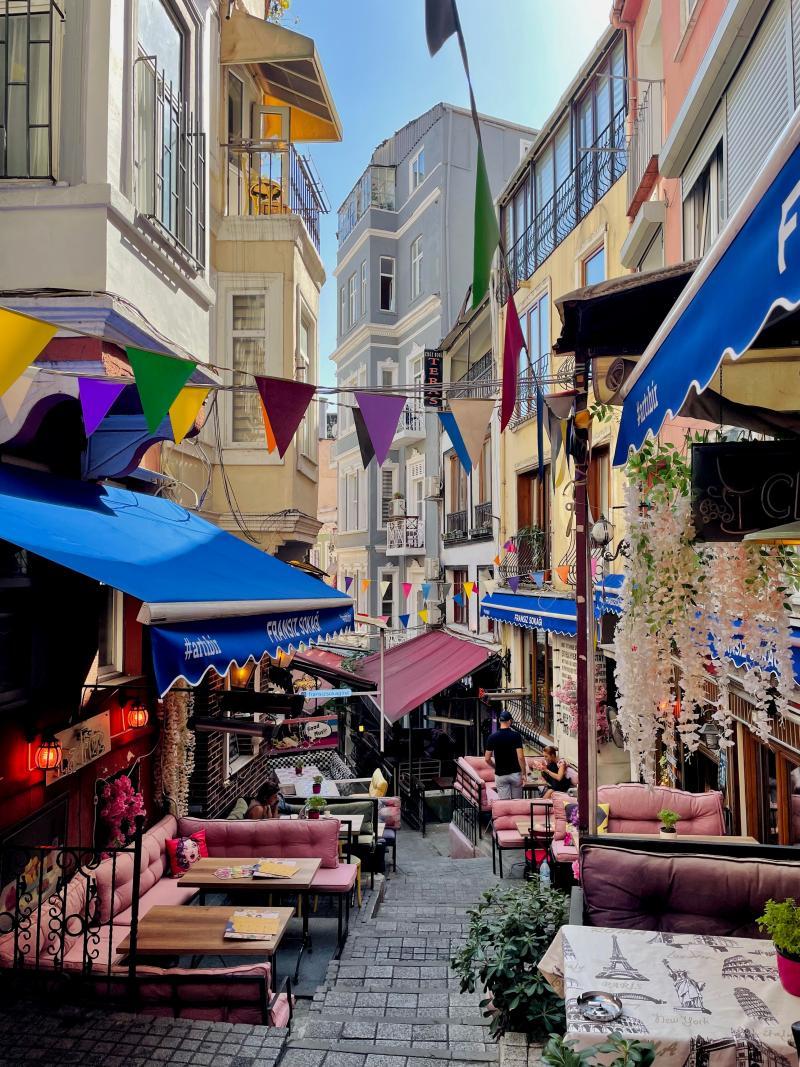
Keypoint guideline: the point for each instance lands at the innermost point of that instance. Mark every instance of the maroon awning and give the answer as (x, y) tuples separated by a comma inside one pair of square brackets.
[(420, 668)]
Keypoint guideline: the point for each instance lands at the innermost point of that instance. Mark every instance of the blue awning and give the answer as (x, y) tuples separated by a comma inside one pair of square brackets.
[(211, 598), (608, 594), (557, 615), (752, 270)]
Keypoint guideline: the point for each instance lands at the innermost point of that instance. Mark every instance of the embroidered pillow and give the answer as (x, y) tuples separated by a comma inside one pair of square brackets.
[(184, 851)]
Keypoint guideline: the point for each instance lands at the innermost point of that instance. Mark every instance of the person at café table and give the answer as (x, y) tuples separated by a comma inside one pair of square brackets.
[(505, 753), (554, 772), (268, 801)]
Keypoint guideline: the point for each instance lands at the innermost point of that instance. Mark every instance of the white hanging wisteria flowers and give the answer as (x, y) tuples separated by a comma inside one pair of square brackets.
[(175, 767)]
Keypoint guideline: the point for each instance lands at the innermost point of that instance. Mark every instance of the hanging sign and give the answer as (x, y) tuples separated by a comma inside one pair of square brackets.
[(326, 694), (434, 375), (741, 487)]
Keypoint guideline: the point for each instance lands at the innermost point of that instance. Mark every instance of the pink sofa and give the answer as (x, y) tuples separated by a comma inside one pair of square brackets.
[(474, 780), (505, 834)]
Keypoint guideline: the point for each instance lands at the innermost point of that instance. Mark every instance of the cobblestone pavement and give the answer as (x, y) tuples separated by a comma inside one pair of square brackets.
[(391, 1001)]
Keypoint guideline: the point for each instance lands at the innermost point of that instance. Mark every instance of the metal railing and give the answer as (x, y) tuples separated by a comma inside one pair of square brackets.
[(375, 188), (170, 162), (647, 135), (415, 780), (407, 531), (524, 556), (482, 519), (412, 419), (467, 805), (478, 380), (263, 180), (533, 716), (456, 526), (598, 168), (30, 38)]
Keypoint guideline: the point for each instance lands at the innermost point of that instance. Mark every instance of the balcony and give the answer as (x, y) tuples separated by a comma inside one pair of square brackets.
[(263, 181), (405, 535), (526, 554), (533, 718), (456, 527), (478, 380), (598, 169), (170, 163), (647, 136), (411, 424), (375, 188), (481, 522)]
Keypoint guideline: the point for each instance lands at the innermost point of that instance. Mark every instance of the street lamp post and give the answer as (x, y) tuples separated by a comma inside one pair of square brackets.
[(381, 626)]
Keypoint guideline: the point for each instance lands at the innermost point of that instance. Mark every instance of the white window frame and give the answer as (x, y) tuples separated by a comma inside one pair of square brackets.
[(416, 266), (714, 171), (352, 299), (393, 574), (116, 639), (393, 277), (305, 372), (387, 365), (342, 310), (416, 173), (364, 289), (394, 470), (231, 767)]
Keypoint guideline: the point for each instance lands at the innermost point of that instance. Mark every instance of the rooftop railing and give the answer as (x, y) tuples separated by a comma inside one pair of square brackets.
[(375, 188)]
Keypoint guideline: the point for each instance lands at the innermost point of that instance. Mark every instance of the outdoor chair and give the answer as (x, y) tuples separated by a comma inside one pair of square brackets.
[(505, 835)]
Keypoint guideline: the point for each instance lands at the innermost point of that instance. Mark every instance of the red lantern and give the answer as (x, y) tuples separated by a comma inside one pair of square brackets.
[(48, 754), (138, 716)]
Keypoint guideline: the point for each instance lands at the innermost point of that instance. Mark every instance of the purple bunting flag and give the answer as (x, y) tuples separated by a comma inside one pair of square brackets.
[(513, 583), (347, 583), (97, 397), (381, 415)]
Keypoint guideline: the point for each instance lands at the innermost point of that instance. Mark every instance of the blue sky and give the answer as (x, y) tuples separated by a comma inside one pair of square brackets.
[(523, 54)]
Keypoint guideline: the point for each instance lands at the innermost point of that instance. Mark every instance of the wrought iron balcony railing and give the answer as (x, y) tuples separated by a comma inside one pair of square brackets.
[(456, 526), (482, 519), (598, 168), (263, 180), (530, 714), (412, 419), (647, 135), (523, 557), (478, 381), (407, 531)]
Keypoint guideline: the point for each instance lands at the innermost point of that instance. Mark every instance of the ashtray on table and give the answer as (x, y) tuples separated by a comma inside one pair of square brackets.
[(599, 1007)]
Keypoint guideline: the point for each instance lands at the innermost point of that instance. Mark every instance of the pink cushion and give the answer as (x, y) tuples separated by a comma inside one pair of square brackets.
[(389, 812), (338, 880), (167, 891), (506, 812), (509, 839), (491, 797), (154, 865), (97, 949), (273, 838), (478, 766), (478, 770), (633, 809), (563, 853)]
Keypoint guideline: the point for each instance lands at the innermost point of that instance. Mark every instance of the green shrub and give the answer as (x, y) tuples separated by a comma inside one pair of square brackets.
[(510, 930), (561, 1053), (782, 923), (668, 818)]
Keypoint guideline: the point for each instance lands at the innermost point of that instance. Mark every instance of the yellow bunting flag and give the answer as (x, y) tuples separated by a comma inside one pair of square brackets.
[(423, 614), (21, 340), (562, 574), (365, 584), (185, 408), (468, 587)]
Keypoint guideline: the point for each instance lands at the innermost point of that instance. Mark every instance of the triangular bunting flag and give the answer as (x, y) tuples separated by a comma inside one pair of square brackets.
[(512, 346), (362, 434), (159, 379), (403, 620), (22, 339), (271, 443), (538, 578), (384, 586), (562, 573), (384, 619), (487, 232), (594, 567), (507, 545), (453, 432), (468, 587), (348, 581), (406, 589), (426, 590), (14, 396), (512, 548), (497, 561), (423, 614), (185, 408), (446, 587), (459, 599), (285, 403), (365, 583), (96, 397), (513, 582), (381, 415), (472, 417), (441, 22)]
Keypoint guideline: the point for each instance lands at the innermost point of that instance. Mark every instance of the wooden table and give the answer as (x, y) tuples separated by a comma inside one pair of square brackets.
[(353, 821), (715, 839), (201, 876), (524, 827)]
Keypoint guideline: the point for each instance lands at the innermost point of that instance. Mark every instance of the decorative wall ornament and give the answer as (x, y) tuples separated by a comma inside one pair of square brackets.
[(175, 767)]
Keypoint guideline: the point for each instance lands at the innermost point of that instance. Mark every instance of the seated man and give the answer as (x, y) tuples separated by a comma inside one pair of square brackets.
[(505, 753)]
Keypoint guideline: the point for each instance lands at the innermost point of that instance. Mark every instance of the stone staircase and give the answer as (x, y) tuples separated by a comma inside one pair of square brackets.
[(391, 1000)]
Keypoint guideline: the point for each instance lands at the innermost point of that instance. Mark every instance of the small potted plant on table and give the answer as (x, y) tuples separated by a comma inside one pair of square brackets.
[(781, 920), (316, 786), (316, 806), (298, 766), (668, 819)]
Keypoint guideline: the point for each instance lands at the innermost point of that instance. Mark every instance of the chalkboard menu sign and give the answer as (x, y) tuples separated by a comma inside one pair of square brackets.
[(434, 375), (738, 488)]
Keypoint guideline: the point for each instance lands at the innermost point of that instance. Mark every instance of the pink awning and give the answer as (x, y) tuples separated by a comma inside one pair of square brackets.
[(420, 668)]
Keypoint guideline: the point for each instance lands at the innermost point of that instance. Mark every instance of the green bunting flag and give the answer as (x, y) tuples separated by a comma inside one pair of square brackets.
[(159, 380), (487, 232)]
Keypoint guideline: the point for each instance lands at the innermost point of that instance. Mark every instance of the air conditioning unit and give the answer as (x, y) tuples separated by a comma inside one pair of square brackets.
[(433, 487), (434, 614), (432, 569)]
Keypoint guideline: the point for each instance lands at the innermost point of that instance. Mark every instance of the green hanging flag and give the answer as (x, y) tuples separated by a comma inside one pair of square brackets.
[(487, 232), (159, 379)]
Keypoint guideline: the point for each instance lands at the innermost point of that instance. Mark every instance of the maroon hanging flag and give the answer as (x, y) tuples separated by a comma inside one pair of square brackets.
[(285, 403), (512, 346)]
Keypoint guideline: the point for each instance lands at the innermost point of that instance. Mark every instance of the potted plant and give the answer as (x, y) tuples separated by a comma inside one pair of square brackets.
[(317, 784), (627, 1052), (668, 819), (298, 766), (316, 807), (781, 920), (398, 505)]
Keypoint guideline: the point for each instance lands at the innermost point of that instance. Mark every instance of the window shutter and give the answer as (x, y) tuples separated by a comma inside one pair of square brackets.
[(714, 133), (760, 101), (387, 488), (796, 49)]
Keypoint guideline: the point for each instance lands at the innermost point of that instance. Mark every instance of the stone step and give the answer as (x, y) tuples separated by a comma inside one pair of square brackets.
[(393, 1045), (334, 1026), (404, 1005), (375, 1057)]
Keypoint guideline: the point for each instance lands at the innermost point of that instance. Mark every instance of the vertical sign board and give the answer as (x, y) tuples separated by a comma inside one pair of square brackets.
[(434, 375), (741, 487)]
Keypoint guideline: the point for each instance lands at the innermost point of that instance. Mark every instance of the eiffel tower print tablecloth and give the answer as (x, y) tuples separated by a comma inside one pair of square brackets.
[(702, 1000)]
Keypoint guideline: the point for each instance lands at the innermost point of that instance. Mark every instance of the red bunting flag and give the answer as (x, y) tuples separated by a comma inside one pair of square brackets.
[(285, 403), (512, 346)]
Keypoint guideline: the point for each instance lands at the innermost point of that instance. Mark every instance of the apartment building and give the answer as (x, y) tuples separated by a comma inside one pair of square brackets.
[(403, 268)]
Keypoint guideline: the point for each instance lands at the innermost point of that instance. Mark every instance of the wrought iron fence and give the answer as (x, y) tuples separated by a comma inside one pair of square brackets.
[(170, 161), (598, 168), (647, 134), (524, 556), (406, 531), (262, 181), (412, 419), (415, 780), (482, 518), (455, 526), (531, 715), (467, 806), (478, 380)]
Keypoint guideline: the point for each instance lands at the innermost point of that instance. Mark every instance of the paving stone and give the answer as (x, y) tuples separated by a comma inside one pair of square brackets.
[(344, 1059), (359, 1029)]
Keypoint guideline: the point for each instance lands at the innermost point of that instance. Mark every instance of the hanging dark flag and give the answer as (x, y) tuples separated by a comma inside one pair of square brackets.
[(362, 434), (441, 22)]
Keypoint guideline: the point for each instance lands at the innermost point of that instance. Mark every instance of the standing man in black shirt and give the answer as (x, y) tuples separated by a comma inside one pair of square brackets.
[(505, 753)]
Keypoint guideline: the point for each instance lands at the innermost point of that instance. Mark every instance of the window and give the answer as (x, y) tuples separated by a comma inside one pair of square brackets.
[(351, 299), (387, 283), (533, 509), (536, 325), (30, 40), (416, 267), (460, 611), (161, 36), (704, 208), (599, 486), (109, 636), (594, 267), (249, 356), (418, 170), (388, 477), (364, 298), (351, 499), (387, 594), (235, 112), (305, 366), (342, 311)]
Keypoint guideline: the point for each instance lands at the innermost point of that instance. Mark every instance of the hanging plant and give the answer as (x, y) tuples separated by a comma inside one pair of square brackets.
[(119, 804), (174, 769), (567, 695)]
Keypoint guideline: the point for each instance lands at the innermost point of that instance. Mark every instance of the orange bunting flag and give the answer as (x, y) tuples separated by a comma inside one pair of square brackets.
[(272, 444), (497, 561), (365, 584), (21, 340), (468, 587), (562, 574)]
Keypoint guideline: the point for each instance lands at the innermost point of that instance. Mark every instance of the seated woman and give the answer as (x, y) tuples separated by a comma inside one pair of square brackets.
[(268, 803), (554, 772)]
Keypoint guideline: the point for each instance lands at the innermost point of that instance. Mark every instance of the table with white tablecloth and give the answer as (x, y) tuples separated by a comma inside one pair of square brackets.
[(698, 998)]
